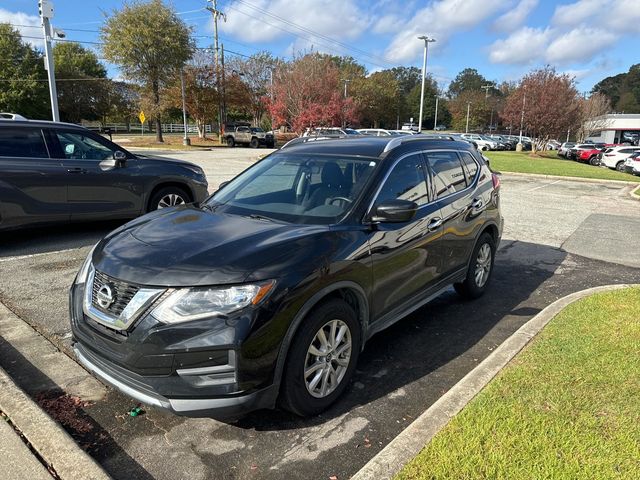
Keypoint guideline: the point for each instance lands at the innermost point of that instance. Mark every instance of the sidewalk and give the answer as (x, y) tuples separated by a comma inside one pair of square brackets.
[(16, 460), (53, 445)]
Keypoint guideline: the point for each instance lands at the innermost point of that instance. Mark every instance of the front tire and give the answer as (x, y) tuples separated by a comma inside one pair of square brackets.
[(620, 166), (594, 161), (480, 269), (322, 359), (231, 142), (168, 197), (255, 143)]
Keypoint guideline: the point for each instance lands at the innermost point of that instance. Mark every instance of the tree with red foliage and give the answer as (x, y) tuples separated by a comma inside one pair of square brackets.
[(551, 106), (307, 92)]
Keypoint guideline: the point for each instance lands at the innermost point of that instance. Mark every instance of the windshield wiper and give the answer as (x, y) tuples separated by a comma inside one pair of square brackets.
[(255, 216)]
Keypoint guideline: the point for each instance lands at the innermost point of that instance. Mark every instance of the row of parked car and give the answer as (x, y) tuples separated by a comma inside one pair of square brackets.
[(624, 158)]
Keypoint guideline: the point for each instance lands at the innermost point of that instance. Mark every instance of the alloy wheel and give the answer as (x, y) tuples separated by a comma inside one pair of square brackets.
[(483, 265), (327, 358), (170, 200)]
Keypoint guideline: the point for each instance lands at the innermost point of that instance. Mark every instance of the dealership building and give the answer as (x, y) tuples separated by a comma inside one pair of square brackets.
[(615, 128)]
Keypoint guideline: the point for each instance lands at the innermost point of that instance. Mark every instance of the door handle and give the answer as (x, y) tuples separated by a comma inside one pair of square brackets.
[(434, 224), (477, 204), (76, 170)]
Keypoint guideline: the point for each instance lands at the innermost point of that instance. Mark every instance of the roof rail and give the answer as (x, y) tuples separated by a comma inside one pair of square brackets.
[(397, 141), (295, 141)]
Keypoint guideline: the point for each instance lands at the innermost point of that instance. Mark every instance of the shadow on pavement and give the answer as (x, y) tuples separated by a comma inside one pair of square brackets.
[(50, 239), (70, 413)]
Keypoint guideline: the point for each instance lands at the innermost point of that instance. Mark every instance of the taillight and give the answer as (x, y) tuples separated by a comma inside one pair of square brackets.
[(496, 181)]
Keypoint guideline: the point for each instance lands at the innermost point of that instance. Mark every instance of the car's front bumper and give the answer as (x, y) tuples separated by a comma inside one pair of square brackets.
[(140, 388)]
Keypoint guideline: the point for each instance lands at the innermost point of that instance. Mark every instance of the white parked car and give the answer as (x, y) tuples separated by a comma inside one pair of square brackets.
[(403, 132), (329, 131), (614, 157), (11, 116), (632, 164), (375, 132), (482, 143), (563, 151)]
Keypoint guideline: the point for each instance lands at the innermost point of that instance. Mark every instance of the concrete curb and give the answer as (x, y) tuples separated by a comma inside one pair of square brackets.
[(390, 460), (573, 179), (633, 194), (48, 438)]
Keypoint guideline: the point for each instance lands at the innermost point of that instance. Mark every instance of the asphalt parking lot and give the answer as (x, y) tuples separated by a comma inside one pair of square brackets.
[(560, 237)]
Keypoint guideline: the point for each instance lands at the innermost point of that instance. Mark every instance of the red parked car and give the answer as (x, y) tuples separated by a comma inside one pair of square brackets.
[(589, 156)]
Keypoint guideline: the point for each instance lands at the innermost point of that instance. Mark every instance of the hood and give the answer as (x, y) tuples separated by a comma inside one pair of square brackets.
[(187, 246), (175, 161)]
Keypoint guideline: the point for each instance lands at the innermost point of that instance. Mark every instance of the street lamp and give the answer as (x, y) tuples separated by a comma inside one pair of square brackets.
[(426, 40), (185, 140), (524, 102), (466, 130)]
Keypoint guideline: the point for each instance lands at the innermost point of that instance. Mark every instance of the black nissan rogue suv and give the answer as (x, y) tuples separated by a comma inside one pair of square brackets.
[(267, 292)]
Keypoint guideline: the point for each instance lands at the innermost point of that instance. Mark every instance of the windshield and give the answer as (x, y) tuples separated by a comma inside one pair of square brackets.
[(295, 188), (351, 131), (256, 130)]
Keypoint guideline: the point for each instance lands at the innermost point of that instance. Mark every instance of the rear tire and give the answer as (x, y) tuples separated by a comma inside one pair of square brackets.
[(480, 269), (333, 363)]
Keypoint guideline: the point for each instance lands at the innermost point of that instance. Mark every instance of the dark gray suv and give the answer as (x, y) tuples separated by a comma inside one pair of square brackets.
[(58, 172)]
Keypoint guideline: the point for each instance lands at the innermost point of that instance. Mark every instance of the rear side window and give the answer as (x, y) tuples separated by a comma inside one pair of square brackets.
[(470, 166), (448, 172), (22, 143)]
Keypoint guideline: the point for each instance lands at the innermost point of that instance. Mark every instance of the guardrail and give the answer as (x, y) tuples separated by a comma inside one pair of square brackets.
[(136, 127)]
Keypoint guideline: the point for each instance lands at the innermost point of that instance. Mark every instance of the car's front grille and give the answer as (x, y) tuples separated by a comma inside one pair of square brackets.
[(121, 293)]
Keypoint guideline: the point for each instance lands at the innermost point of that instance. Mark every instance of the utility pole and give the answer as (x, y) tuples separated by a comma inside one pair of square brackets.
[(435, 120), (185, 140), (346, 82), (224, 86), (427, 40), (216, 15), (466, 130), (45, 8), (273, 128)]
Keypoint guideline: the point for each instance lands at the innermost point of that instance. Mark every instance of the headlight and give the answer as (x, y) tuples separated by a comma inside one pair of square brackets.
[(194, 303), (81, 277)]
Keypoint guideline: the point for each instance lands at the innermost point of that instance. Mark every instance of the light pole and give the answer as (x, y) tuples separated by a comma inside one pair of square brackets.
[(426, 40), (45, 8), (185, 140), (466, 130), (435, 119), (524, 102)]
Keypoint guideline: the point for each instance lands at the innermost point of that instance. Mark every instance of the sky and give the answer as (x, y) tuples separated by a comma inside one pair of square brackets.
[(502, 39)]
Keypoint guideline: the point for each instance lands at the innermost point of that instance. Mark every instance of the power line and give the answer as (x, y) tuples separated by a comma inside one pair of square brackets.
[(315, 33), (86, 79)]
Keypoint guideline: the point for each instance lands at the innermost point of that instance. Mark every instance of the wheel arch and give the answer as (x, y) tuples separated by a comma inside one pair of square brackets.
[(172, 183), (346, 290)]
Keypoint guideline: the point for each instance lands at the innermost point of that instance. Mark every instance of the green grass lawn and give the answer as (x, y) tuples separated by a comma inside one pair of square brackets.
[(567, 407), (550, 164)]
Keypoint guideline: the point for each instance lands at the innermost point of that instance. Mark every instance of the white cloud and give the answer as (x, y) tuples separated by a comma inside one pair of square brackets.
[(580, 44), (339, 19), (524, 46), (439, 19), (514, 18), (623, 16), (21, 18), (388, 23), (580, 11)]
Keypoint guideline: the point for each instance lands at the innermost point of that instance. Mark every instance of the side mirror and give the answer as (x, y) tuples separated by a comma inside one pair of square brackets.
[(120, 157), (395, 211)]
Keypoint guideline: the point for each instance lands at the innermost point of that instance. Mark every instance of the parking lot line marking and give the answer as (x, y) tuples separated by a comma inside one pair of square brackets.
[(542, 186), (32, 255)]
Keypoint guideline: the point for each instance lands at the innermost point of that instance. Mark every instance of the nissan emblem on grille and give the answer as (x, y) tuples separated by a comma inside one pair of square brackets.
[(105, 296)]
